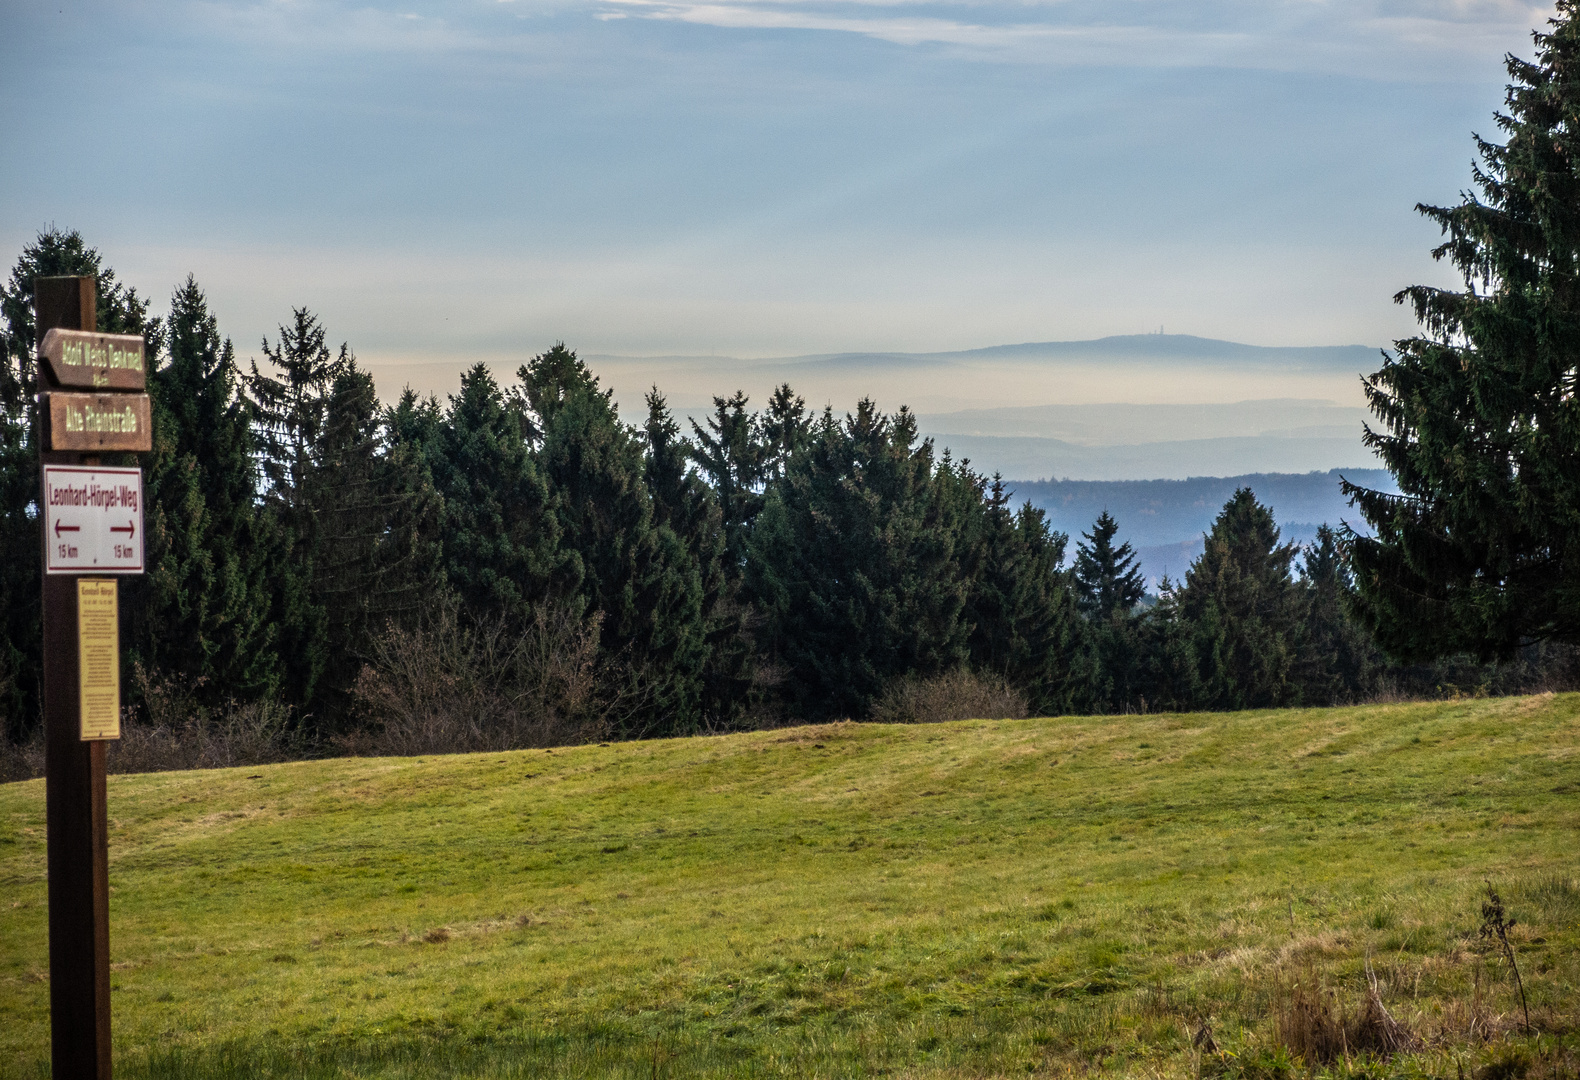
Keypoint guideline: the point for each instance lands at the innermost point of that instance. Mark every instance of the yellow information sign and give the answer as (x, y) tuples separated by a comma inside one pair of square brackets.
[(99, 658)]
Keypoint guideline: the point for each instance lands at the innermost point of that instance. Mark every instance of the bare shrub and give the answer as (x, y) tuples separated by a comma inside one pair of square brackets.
[(169, 699), (961, 694), (21, 761), (255, 733), (173, 730), (454, 685)]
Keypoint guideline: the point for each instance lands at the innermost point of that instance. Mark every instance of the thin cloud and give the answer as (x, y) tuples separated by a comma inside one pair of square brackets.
[(1292, 35), (1396, 38), (1106, 44)]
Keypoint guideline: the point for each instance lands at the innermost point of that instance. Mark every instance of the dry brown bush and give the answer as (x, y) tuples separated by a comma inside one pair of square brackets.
[(955, 695), (253, 734), (454, 685), (173, 730), (21, 761)]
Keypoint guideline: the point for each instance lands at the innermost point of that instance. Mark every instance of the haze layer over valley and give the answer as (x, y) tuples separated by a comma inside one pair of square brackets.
[(1135, 407)]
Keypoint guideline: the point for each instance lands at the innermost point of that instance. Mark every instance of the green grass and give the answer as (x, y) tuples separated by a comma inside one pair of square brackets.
[(975, 899)]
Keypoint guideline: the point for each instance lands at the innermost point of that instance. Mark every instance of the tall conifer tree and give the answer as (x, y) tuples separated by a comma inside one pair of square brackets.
[(1106, 577), (637, 572), (854, 564), (202, 610), (1019, 604), (1480, 415), (502, 532), (782, 431), (685, 504), (354, 515), (1243, 609), (290, 403), (1337, 662), (730, 454)]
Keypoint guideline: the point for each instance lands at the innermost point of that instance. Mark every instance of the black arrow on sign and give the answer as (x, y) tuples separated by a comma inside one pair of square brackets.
[(128, 530), (59, 528)]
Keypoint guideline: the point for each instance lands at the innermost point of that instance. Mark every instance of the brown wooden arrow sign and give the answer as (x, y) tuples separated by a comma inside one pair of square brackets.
[(94, 422), (94, 361)]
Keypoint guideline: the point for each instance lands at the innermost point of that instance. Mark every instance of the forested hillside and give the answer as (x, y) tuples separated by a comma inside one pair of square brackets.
[(515, 565)]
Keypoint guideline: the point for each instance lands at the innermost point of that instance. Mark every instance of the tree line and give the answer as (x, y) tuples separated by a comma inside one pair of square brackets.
[(519, 542)]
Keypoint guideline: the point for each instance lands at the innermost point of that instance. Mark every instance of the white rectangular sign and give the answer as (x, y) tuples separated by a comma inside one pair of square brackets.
[(93, 520)]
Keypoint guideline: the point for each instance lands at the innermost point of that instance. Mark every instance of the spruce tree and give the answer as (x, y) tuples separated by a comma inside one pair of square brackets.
[(1106, 578), (1337, 662), (637, 573), (1019, 605), (290, 406), (354, 514), (202, 610), (1243, 609), (1108, 585), (853, 562), (730, 455), (1165, 665), (1480, 419), (684, 504), (681, 499), (502, 534), (782, 431)]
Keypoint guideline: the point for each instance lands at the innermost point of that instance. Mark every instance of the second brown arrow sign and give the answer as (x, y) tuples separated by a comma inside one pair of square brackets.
[(99, 422)]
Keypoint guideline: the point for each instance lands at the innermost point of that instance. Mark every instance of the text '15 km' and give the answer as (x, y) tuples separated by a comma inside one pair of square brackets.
[(93, 520)]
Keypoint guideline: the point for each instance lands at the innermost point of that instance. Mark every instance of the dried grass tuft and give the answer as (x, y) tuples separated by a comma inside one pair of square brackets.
[(1376, 1030), (1308, 1020), (1312, 1023)]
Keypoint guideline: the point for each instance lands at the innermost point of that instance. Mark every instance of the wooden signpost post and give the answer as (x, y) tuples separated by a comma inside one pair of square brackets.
[(92, 519)]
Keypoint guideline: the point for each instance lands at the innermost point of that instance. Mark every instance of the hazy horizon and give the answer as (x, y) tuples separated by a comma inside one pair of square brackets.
[(1125, 407)]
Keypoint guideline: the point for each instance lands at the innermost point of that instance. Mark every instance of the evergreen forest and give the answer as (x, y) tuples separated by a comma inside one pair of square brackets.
[(515, 565)]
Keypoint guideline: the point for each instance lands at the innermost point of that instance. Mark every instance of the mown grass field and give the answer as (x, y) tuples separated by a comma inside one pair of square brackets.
[(1010, 898)]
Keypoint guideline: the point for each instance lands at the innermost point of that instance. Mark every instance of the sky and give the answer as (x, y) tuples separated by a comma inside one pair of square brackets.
[(446, 182)]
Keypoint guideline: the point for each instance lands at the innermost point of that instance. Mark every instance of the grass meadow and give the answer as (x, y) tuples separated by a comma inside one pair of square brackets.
[(1169, 895)]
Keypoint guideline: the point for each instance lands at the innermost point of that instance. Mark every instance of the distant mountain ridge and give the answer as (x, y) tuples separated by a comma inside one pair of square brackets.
[(1154, 347), (1158, 369), (1136, 406), (1186, 346), (1165, 519), (1169, 461)]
